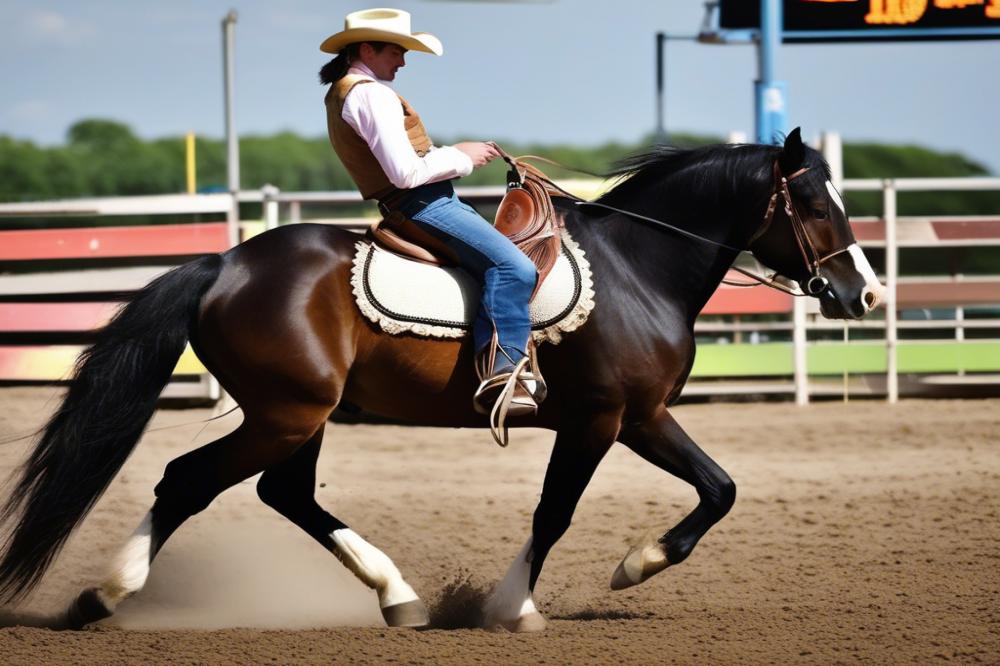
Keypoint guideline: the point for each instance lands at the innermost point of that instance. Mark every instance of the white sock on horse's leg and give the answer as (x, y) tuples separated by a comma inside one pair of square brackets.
[(510, 605), (129, 571), (130, 568), (399, 603)]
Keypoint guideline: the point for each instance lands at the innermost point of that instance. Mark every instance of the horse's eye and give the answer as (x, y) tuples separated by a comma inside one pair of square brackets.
[(819, 213)]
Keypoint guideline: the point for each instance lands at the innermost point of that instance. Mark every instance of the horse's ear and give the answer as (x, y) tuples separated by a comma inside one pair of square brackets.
[(793, 154)]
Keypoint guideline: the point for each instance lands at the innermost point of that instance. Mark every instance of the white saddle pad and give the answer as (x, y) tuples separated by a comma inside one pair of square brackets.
[(404, 296)]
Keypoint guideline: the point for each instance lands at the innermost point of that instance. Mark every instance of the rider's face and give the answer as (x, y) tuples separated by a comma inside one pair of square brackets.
[(384, 63)]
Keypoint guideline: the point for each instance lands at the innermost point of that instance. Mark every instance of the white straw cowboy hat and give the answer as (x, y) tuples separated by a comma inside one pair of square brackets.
[(381, 25)]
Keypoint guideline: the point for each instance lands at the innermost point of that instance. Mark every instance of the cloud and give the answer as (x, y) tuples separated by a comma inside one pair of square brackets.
[(302, 22), (51, 27), (48, 23), (28, 110)]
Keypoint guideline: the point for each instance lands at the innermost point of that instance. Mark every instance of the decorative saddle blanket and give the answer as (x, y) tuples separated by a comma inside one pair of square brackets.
[(404, 296)]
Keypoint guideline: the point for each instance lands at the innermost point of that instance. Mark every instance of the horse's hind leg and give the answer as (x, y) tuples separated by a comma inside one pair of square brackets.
[(188, 486), (575, 455), (289, 488), (661, 441)]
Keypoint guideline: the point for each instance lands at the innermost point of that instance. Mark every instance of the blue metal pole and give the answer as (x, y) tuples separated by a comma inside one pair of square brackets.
[(770, 95)]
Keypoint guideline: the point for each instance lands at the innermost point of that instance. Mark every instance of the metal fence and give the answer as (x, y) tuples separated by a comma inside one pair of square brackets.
[(279, 207)]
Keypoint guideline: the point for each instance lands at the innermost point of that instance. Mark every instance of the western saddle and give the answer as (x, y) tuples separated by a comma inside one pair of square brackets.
[(525, 215)]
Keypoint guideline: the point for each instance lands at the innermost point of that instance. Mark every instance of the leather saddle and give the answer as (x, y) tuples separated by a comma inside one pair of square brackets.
[(525, 215)]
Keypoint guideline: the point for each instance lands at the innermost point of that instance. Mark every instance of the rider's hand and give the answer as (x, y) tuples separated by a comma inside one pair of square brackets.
[(480, 153)]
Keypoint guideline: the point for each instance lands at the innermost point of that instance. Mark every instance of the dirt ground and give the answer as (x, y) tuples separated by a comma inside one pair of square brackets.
[(861, 533)]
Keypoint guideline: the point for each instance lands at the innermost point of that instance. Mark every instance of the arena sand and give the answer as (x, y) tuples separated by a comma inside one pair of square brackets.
[(861, 533)]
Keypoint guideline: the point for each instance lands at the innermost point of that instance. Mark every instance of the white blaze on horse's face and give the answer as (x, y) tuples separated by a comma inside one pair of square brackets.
[(835, 195), (874, 292), (854, 289)]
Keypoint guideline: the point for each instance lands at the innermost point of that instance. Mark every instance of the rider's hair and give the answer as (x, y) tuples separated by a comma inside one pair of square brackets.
[(335, 70)]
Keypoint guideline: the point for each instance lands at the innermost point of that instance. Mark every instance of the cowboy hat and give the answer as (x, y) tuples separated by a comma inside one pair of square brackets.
[(381, 25)]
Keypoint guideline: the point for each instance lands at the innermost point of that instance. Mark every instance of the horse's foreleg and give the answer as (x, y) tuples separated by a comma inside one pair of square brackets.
[(661, 441), (576, 453), (289, 488)]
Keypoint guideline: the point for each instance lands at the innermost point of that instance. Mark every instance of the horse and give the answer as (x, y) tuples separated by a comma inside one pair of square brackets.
[(274, 320)]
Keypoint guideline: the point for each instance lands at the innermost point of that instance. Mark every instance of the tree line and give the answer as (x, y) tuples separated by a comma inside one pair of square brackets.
[(105, 158)]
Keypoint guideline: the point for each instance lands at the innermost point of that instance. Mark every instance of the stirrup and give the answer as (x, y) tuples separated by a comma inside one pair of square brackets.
[(533, 380), (508, 397), (531, 377)]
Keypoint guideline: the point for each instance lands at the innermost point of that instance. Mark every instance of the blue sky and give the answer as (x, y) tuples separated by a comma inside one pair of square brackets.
[(576, 71)]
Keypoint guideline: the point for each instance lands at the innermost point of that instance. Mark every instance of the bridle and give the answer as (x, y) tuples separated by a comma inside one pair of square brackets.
[(816, 284)]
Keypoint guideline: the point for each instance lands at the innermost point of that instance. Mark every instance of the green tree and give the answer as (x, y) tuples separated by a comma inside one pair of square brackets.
[(22, 171), (97, 135), (871, 160)]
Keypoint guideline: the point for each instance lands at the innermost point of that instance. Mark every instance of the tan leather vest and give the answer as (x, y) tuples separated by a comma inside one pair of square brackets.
[(352, 149)]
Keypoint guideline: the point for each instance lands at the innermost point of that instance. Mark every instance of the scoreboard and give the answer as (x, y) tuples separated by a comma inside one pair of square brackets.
[(871, 20)]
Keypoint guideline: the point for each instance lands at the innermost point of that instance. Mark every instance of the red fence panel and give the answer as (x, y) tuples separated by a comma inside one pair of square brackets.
[(54, 317), (747, 300), (107, 242)]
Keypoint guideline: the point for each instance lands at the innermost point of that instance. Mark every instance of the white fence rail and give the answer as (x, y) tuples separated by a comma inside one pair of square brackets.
[(891, 187), (272, 201)]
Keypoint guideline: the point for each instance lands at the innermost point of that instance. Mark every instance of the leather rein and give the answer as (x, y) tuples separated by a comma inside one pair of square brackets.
[(812, 258)]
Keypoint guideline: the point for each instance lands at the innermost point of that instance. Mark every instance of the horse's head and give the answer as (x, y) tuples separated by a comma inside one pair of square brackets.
[(806, 236)]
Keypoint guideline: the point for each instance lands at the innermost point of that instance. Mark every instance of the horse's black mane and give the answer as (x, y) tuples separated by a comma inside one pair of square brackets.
[(718, 167)]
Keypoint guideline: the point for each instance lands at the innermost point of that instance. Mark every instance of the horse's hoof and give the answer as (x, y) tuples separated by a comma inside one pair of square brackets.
[(643, 560), (89, 606), (526, 623), (408, 614)]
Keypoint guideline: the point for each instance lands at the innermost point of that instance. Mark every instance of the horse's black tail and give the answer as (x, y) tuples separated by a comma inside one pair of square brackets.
[(110, 399)]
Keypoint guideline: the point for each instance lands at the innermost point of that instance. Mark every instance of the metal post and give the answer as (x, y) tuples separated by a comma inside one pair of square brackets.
[(771, 113), (799, 351), (270, 194), (295, 212), (847, 342), (833, 153), (190, 163), (213, 389), (661, 125), (960, 331), (232, 139), (891, 279)]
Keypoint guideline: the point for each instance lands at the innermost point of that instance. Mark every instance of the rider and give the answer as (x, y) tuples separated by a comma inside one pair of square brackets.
[(382, 142)]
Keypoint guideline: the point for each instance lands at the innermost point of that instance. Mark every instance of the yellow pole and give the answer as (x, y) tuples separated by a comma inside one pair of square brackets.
[(190, 163)]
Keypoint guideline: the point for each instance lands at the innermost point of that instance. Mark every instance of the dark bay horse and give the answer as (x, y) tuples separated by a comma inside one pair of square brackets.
[(274, 320)]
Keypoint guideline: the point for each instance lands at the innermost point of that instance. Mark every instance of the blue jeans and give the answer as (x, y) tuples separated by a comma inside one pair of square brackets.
[(507, 275)]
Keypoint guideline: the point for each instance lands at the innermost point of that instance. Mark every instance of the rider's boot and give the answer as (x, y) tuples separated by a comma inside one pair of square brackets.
[(499, 375)]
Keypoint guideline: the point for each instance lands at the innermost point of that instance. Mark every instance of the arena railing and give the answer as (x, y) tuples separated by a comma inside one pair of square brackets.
[(811, 364), (985, 232), (47, 306), (59, 283)]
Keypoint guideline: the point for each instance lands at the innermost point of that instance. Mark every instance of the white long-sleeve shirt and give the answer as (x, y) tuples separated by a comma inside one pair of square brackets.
[(375, 113)]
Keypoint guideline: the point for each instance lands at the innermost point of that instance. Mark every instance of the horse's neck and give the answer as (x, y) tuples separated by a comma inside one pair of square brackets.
[(718, 195), (662, 263)]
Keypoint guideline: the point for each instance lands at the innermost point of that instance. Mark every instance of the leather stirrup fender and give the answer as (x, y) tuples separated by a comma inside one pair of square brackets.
[(527, 217), (515, 212)]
